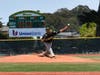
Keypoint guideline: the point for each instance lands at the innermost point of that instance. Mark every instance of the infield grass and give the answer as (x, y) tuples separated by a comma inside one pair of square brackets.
[(91, 57), (49, 67)]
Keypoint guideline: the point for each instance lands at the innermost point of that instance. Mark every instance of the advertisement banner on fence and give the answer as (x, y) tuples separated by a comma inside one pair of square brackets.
[(26, 32)]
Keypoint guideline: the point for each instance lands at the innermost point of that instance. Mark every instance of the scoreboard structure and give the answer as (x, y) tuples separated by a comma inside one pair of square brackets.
[(26, 24), (26, 19)]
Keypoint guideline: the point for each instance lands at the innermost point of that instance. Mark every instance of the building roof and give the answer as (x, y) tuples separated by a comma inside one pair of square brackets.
[(68, 34)]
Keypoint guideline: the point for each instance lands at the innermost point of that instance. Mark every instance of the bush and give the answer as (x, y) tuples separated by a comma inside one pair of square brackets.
[(88, 30)]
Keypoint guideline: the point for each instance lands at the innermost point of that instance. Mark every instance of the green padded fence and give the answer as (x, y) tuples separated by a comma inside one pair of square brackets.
[(60, 46)]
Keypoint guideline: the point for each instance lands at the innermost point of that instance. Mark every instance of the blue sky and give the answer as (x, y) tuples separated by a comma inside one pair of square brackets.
[(9, 7)]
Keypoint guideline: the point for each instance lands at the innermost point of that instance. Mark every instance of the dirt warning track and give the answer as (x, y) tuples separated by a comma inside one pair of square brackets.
[(49, 73)]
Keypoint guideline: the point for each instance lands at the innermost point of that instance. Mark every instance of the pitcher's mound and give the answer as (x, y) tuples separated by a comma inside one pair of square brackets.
[(33, 58)]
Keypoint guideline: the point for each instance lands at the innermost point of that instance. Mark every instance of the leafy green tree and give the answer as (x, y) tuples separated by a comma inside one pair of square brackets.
[(88, 30), (91, 16), (0, 24), (63, 16)]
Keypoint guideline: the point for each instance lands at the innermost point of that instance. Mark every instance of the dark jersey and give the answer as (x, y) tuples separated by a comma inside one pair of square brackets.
[(49, 35)]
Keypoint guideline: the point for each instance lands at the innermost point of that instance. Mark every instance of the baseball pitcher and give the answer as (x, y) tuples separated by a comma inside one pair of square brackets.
[(47, 40)]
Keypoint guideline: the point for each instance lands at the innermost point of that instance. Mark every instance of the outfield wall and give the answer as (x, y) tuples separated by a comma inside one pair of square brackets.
[(60, 46)]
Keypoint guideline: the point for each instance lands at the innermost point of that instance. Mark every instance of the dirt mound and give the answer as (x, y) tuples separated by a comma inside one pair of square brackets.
[(33, 58)]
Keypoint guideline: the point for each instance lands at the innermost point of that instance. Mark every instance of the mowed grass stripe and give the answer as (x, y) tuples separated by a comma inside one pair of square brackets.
[(49, 67)]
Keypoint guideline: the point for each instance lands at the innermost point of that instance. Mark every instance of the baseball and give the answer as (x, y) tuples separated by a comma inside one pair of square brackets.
[(68, 24)]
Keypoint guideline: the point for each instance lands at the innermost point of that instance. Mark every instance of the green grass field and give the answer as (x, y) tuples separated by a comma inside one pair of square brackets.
[(91, 57), (49, 67)]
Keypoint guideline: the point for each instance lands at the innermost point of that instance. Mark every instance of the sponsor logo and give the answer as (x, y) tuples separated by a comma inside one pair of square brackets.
[(30, 33), (26, 32), (15, 33)]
